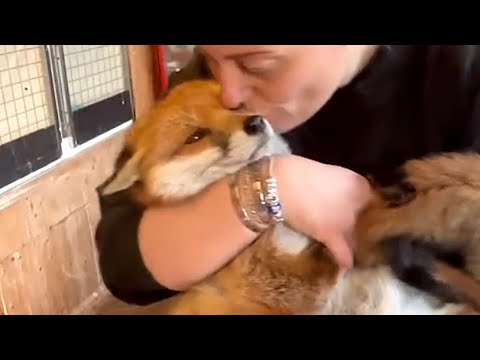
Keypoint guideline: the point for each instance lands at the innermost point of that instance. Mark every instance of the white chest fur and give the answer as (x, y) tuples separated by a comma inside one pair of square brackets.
[(361, 291), (376, 292)]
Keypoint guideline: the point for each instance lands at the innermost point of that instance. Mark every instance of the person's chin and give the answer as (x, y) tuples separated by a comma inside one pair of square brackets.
[(282, 126), (281, 123)]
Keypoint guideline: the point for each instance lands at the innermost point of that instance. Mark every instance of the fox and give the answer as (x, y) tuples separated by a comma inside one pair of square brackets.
[(416, 248)]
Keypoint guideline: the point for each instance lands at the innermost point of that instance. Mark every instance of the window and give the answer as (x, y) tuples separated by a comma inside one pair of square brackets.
[(55, 98)]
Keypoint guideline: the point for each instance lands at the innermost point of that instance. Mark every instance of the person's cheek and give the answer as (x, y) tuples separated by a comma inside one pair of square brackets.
[(279, 92)]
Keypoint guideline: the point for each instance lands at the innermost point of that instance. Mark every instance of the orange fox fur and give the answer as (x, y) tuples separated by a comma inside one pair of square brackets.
[(189, 141)]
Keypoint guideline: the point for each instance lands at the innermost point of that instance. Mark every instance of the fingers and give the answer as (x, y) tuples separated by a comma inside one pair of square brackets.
[(365, 194), (360, 193), (341, 251), (356, 187)]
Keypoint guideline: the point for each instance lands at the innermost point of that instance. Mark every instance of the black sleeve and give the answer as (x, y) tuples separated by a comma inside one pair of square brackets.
[(120, 261), (121, 265), (463, 127)]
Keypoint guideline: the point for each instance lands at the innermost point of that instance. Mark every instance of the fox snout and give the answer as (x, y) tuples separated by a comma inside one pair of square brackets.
[(254, 125)]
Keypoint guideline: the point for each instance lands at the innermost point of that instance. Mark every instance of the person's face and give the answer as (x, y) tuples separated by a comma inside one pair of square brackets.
[(285, 83)]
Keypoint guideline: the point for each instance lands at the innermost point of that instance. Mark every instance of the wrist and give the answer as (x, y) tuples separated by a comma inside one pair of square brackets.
[(285, 168), (255, 196)]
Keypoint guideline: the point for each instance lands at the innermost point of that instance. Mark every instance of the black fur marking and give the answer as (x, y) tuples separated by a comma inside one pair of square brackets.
[(399, 194), (385, 178), (122, 158), (393, 186), (411, 259)]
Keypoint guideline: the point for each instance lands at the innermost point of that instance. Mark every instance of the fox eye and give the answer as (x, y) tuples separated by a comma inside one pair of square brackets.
[(197, 135)]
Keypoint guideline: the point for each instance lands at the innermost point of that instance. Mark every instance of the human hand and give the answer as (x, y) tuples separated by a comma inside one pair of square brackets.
[(322, 201)]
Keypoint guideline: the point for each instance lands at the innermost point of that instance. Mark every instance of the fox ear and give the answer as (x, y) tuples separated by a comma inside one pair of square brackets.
[(127, 175)]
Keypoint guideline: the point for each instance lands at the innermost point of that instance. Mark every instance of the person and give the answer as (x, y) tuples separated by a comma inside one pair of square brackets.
[(346, 110)]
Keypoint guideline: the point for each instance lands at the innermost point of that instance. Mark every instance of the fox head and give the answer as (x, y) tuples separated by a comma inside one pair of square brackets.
[(188, 141)]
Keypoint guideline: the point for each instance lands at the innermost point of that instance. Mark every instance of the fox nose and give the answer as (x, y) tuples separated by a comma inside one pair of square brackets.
[(254, 125)]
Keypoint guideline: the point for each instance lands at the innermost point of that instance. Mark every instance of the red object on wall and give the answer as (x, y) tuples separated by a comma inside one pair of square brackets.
[(162, 67)]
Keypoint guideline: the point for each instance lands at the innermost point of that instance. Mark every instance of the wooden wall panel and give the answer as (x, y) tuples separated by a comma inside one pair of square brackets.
[(47, 253), (48, 260)]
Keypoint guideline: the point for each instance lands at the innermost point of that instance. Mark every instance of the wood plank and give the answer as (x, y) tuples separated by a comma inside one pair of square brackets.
[(144, 77)]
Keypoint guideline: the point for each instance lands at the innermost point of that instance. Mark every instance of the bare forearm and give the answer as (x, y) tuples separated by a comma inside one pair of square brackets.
[(184, 243)]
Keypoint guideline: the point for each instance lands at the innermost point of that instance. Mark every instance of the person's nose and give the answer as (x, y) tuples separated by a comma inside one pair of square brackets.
[(234, 90)]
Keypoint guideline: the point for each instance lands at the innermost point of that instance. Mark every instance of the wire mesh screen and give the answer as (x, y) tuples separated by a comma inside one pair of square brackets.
[(25, 105), (56, 97), (98, 87), (94, 72)]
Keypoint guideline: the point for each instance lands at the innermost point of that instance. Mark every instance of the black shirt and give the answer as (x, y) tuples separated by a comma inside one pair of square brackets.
[(411, 100)]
